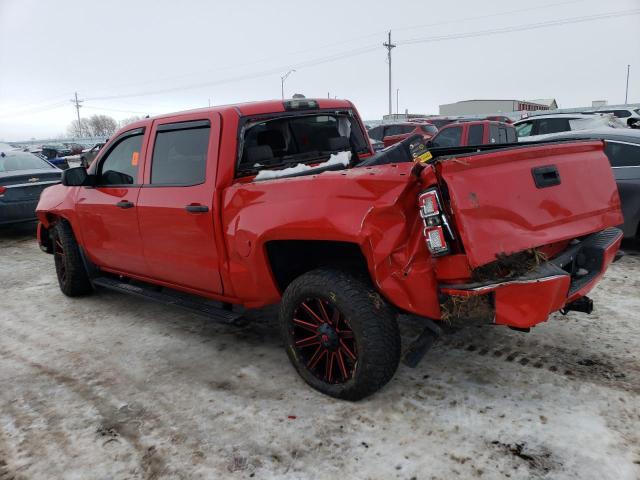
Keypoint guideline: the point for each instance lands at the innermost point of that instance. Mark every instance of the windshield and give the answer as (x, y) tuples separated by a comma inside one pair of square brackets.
[(307, 138), (12, 161), (432, 129)]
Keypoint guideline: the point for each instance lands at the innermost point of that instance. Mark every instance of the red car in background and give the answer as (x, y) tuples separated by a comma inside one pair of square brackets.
[(391, 133)]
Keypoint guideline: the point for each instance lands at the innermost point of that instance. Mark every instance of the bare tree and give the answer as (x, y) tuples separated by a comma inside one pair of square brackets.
[(79, 130), (102, 125), (126, 121)]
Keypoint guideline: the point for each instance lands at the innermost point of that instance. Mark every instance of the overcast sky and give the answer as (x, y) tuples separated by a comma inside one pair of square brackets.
[(155, 56)]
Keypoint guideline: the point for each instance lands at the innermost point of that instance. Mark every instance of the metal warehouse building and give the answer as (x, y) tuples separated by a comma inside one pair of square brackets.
[(484, 107)]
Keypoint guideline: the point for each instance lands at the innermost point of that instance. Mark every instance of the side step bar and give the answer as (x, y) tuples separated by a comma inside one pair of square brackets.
[(170, 297)]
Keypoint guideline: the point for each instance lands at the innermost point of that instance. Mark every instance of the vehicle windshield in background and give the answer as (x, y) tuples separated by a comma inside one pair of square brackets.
[(299, 139), (12, 161), (432, 129)]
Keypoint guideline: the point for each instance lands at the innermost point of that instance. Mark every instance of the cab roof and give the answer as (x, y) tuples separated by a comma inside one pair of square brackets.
[(250, 109)]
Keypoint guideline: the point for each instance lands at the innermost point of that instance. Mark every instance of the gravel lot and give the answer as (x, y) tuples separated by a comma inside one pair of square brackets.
[(113, 387)]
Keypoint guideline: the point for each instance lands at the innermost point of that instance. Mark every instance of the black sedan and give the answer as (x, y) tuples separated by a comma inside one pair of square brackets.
[(23, 176)]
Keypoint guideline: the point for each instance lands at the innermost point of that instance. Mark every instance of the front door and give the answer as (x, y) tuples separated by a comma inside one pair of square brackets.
[(108, 213), (175, 205)]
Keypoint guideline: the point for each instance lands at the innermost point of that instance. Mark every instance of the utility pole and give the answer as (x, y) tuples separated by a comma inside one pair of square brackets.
[(389, 46), (77, 104), (626, 92), (282, 79), (397, 102)]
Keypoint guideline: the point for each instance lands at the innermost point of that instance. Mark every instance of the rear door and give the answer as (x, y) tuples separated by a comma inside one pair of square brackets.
[(510, 200), (108, 213), (176, 203)]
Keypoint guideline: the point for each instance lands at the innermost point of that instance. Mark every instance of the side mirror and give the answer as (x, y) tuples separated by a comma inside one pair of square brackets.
[(75, 177)]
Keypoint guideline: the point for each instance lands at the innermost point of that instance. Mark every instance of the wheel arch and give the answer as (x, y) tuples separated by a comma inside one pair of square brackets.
[(289, 259)]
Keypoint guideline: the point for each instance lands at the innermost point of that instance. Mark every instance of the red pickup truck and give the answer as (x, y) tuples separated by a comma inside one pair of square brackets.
[(284, 201), (476, 132)]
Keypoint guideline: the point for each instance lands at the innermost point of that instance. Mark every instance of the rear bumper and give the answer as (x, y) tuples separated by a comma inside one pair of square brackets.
[(527, 300), (16, 212)]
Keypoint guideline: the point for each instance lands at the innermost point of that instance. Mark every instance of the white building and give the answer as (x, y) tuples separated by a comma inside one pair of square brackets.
[(487, 107)]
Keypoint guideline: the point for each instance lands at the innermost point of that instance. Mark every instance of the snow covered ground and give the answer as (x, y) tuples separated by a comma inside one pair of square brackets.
[(113, 387)]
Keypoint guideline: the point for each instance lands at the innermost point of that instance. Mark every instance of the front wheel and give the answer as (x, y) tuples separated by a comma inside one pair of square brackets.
[(340, 335)]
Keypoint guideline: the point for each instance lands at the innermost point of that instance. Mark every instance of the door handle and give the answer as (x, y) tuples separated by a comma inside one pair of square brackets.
[(546, 176), (196, 208), (125, 204)]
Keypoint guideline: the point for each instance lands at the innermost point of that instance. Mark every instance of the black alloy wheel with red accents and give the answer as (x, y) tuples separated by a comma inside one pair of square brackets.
[(324, 340), (341, 336)]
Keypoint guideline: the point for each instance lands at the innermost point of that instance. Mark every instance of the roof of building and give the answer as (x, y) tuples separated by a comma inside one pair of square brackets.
[(539, 102), (543, 101)]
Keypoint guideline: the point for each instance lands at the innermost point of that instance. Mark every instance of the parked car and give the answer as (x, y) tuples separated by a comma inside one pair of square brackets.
[(480, 132), (87, 156), (75, 148), (285, 202), (23, 176), (55, 154), (622, 147), (630, 116), (390, 133), (562, 122)]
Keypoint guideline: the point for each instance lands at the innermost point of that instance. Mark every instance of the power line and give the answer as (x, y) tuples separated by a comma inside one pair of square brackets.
[(347, 41), (108, 109), (521, 28), (370, 48)]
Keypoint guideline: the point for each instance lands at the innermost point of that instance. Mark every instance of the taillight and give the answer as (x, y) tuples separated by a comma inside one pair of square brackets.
[(2, 190), (435, 222)]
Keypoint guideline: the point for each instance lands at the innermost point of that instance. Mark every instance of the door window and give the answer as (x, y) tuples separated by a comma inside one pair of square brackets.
[(120, 164), (524, 129), (622, 154), (180, 154), (448, 137), (475, 134), (553, 125), (376, 133)]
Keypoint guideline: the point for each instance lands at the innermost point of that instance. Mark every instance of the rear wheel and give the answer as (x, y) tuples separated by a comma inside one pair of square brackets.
[(340, 335), (72, 275)]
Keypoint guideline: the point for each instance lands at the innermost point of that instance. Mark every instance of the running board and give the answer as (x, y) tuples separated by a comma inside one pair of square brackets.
[(170, 297)]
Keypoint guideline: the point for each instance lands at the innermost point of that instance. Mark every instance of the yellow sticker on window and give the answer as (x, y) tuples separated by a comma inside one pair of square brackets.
[(134, 158), (425, 157)]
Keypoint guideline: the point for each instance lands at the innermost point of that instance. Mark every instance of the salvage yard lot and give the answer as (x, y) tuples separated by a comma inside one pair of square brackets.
[(111, 386)]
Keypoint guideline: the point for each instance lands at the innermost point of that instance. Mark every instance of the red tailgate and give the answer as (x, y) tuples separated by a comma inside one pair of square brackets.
[(499, 209)]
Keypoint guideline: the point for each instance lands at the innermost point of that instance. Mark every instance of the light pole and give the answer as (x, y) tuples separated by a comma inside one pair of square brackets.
[(626, 92), (282, 79), (397, 103)]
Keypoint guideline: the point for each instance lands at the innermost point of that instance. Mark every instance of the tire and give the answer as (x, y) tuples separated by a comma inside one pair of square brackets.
[(357, 351), (70, 269)]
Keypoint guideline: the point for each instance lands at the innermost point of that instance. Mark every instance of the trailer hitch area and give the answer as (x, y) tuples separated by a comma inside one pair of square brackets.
[(423, 342), (583, 304)]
